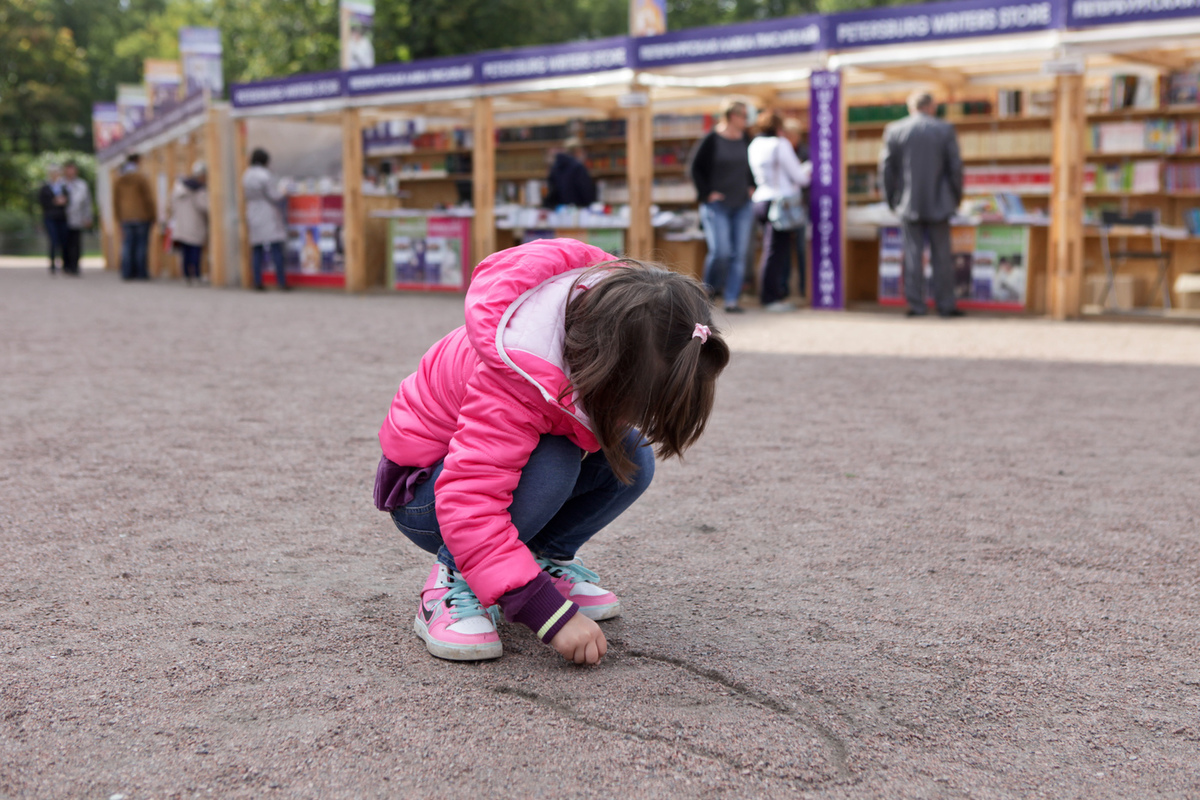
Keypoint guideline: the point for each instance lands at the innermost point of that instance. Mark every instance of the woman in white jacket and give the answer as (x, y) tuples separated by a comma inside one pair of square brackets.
[(778, 173), (189, 219), (264, 218)]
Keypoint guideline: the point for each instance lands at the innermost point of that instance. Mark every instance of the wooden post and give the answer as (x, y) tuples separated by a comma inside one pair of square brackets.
[(218, 192), (353, 211), (240, 161), (114, 234), (190, 148), (154, 254), (639, 150), (483, 175), (1064, 284), (170, 264)]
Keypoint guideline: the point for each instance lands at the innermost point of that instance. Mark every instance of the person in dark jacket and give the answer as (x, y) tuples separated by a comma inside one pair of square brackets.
[(720, 169), (569, 182), (52, 197), (922, 176)]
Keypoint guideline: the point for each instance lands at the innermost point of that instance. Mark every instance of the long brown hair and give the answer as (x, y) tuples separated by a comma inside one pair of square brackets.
[(636, 363)]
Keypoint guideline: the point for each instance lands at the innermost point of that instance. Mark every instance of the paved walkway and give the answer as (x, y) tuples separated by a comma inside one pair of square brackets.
[(909, 559), (40, 262)]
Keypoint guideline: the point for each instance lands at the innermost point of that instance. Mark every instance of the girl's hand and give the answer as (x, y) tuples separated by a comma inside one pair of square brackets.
[(580, 640)]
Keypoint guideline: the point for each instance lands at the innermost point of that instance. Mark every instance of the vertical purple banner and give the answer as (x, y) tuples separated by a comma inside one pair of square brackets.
[(825, 150)]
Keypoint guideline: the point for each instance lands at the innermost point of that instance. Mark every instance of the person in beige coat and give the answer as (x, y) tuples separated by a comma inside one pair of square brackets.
[(189, 219)]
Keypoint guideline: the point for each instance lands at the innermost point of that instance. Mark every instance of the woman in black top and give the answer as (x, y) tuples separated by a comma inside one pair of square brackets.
[(720, 169)]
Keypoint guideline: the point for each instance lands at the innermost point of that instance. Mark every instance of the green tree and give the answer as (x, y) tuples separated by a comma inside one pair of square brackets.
[(42, 79)]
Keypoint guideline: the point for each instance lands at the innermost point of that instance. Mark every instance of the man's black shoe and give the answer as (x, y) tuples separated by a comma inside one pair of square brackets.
[(954, 312)]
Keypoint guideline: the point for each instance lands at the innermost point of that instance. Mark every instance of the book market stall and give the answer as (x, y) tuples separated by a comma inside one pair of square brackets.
[(301, 125), (1077, 123), (169, 143)]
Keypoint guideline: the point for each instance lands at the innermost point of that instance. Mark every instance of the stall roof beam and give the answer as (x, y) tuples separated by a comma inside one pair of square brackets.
[(1165, 61), (949, 78)]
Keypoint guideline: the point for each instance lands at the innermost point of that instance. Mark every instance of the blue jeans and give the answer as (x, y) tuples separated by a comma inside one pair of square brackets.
[(560, 501), (259, 253), (189, 255), (134, 248), (56, 234), (727, 233)]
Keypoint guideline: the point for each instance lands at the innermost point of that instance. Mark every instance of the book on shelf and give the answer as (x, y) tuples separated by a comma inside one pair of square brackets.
[(1133, 92), (1029, 179), (1182, 177), (1191, 219), (1133, 176), (1170, 136), (1183, 88)]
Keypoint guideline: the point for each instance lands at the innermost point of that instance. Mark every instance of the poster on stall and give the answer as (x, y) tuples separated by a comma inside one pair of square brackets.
[(106, 125), (990, 264), (200, 54), (647, 17), (429, 253), (891, 262), (163, 81), (315, 252), (357, 24), (131, 105), (1009, 245)]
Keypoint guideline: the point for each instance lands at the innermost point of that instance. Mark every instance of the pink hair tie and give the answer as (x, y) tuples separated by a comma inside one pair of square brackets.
[(701, 333)]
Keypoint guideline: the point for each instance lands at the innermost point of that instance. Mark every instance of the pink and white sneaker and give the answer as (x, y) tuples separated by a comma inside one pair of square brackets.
[(577, 583), (452, 622)]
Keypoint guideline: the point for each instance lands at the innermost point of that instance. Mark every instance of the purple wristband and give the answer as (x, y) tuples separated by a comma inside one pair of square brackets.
[(538, 606)]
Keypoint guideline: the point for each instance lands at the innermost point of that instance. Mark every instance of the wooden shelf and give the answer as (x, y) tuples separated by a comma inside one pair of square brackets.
[(1094, 193), (968, 160), (436, 151), (1145, 154), (421, 176), (1142, 113), (958, 123)]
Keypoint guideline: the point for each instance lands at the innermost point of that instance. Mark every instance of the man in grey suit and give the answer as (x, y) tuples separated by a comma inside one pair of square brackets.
[(922, 176)]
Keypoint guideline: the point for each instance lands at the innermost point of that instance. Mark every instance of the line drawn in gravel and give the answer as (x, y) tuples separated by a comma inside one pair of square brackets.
[(835, 749)]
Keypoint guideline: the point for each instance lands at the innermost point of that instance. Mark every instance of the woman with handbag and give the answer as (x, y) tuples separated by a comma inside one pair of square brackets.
[(778, 206)]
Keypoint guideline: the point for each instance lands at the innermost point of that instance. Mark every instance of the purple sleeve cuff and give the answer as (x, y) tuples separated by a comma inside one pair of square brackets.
[(538, 606)]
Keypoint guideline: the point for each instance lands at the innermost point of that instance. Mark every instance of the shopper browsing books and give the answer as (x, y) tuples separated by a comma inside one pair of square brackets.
[(922, 176), (780, 176), (720, 169), (264, 218), (569, 182)]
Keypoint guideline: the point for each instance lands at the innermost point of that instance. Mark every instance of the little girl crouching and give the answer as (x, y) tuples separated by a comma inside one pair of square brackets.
[(533, 426)]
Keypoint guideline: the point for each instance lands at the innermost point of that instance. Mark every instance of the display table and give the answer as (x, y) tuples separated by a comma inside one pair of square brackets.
[(999, 264), (314, 254), (428, 250)]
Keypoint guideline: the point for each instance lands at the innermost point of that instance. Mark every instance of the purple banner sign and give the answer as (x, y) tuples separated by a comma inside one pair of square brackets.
[(280, 91), (1085, 13), (722, 42), (534, 63), (432, 73), (825, 193), (200, 56), (194, 105), (936, 21)]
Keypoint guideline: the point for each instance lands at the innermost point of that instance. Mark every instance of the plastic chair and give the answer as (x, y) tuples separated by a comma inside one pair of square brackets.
[(1141, 219)]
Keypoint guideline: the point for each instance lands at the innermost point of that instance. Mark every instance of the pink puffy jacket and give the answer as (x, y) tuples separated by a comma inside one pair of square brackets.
[(481, 398)]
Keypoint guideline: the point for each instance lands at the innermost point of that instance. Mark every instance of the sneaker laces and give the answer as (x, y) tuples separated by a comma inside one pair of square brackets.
[(573, 571), (461, 601)]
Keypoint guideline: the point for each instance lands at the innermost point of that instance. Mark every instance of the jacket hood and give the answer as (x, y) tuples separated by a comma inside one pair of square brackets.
[(514, 315)]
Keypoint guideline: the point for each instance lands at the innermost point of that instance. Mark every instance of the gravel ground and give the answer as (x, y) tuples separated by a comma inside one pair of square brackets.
[(910, 559)]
